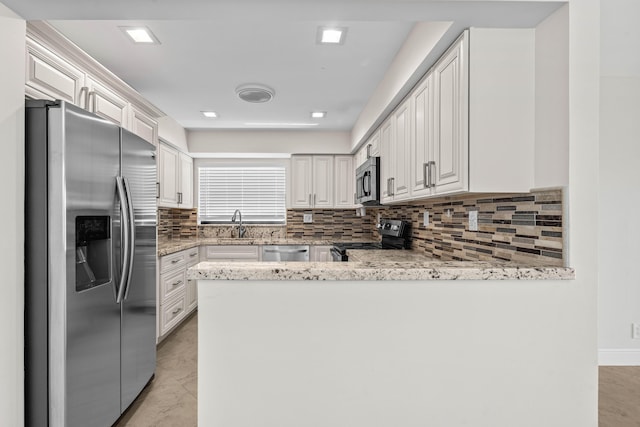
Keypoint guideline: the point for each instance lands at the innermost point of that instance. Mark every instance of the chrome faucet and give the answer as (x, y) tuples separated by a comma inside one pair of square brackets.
[(241, 229)]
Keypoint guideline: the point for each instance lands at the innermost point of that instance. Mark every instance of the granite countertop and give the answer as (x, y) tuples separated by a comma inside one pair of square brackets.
[(167, 248), (412, 266)]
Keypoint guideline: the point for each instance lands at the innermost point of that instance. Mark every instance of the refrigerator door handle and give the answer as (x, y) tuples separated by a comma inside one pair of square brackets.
[(132, 236), (125, 247)]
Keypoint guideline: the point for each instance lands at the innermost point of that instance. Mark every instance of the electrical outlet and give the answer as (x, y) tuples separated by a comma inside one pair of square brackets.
[(473, 220), (307, 218), (425, 218), (635, 331)]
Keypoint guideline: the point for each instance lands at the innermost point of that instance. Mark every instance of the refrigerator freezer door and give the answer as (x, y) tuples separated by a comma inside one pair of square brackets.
[(138, 167), (84, 322)]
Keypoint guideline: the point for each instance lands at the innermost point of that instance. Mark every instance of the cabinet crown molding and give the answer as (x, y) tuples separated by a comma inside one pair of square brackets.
[(47, 36)]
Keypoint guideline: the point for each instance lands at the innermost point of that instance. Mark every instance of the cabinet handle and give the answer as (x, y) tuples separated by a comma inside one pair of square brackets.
[(368, 151), (314, 200), (393, 183), (425, 166), (94, 104), (178, 283), (193, 254), (310, 200), (431, 163), (173, 261), (179, 198), (157, 190), (177, 310)]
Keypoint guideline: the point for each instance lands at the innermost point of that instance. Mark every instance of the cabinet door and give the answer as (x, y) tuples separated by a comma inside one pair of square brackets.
[(300, 182), (50, 77), (322, 182), (402, 118), (374, 145), (321, 254), (387, 161), (450, 156), (344, 182), (422, 144), (168, 164), (185, 187), (107, 104), (144, 126)]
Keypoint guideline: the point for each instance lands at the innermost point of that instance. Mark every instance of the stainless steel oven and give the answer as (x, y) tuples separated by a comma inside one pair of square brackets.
[(368, 182)]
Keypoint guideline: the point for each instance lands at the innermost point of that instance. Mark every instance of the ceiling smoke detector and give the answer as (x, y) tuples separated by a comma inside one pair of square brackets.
[(255, 93)]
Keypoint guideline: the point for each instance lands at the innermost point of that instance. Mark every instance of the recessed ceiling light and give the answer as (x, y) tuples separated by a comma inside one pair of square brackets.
[(331, 35), (140, 35), (210, 114), (318, 114), (255, 93)]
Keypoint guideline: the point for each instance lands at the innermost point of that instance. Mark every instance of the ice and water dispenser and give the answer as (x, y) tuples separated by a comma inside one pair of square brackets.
[(93, 251)]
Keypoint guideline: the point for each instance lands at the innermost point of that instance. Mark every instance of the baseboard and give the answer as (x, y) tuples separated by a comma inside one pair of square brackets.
[(619, 357)]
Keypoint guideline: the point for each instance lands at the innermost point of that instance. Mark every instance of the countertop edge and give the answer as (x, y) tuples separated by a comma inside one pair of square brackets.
[(359, 271)]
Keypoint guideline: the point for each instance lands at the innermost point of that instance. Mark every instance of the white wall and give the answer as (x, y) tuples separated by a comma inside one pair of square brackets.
[(551, 159), (171, 131), (268, 141), (12, 52), (619, 231)]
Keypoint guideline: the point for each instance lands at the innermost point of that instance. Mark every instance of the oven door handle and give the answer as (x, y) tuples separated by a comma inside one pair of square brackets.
[(336, 255)]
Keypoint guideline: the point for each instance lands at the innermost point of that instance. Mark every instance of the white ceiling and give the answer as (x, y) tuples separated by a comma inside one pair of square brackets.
[(208, 48)]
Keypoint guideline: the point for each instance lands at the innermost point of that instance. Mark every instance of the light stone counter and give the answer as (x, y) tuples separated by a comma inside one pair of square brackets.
[(167, 248), (411, 269)]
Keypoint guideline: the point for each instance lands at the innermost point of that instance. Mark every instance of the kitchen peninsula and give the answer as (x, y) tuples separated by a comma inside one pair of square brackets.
[(355, 343)]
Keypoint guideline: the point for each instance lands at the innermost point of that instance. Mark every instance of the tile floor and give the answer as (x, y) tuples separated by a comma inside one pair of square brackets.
[(619, 396), (171, 398)]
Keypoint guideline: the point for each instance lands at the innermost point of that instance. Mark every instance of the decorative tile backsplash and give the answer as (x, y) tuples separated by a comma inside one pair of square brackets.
[(513, 227), (518, 227), (339, 224)]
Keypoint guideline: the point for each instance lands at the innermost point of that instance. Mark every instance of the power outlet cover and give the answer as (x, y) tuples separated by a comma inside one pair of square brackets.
[(473, 220), (307, 218), (425, 218)]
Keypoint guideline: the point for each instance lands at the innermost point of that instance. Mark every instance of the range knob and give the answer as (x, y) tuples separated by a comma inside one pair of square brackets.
[(394, 227), (378, 225)]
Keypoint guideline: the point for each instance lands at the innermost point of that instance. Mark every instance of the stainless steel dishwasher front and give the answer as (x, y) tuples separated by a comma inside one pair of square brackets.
[(285, 253)]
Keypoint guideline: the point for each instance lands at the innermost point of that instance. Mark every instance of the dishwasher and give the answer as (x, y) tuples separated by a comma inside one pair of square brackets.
[(285, 253)]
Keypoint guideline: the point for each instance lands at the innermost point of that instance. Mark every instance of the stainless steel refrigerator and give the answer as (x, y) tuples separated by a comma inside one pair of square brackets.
[(90, 267)]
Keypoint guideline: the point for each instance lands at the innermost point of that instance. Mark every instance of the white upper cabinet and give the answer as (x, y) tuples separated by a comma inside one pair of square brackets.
[(321, 181), (48, 76), (185, 183), (175, 178), (371, 148), (168, 165), (344, 182), (106, 103), (300, 182), (395, 148), (400, 155), (311, 182), (387, 160), (422, 145), (144, 126), (469, 124)]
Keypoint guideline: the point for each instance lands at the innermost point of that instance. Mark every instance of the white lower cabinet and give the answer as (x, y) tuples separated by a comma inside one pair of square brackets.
[(321, 254), (232, 253), (177, 296)]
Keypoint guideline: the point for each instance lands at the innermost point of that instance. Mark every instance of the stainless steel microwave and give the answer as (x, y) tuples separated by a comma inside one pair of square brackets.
[(368, 182)]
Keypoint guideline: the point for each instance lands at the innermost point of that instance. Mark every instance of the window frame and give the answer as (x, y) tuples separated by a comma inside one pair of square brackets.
[(241, 163)]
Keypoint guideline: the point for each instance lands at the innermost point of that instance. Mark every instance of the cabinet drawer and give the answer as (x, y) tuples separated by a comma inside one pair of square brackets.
[(192, 256), (172, 313), (233, 253), (173, 261), (172, 284)]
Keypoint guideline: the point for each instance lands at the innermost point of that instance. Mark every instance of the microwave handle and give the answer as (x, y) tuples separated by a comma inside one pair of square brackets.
[(366, 183)]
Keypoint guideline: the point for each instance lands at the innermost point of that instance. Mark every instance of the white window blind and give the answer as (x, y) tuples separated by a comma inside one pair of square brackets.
[(258, 191)]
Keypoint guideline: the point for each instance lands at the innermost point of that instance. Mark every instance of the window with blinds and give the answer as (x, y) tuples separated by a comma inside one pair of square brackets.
[(258, 191)]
